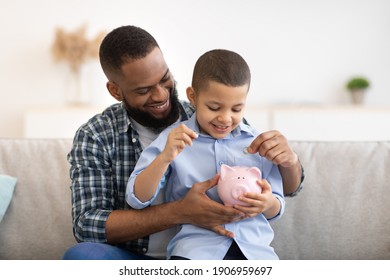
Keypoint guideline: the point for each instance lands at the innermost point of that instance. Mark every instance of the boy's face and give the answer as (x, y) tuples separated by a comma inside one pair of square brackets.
[(219, 108)]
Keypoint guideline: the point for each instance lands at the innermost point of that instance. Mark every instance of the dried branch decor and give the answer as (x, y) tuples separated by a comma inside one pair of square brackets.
[(75, 48)]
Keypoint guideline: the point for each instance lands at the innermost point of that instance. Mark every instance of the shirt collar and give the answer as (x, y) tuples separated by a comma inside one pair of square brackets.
[(123, 119)]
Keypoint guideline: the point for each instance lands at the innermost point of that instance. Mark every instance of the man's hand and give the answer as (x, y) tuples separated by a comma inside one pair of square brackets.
[(275, 147), (200, 210)]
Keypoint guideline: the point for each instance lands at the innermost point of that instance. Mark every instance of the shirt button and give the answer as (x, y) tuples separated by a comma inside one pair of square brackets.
[(220, 163), (144, 250), (134, 140)]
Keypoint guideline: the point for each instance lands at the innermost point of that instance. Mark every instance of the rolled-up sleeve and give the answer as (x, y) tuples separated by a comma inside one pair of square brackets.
[(132, 199), (146, 158)]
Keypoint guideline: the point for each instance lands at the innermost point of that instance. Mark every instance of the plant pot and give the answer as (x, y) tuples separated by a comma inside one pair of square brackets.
[(357, 96)]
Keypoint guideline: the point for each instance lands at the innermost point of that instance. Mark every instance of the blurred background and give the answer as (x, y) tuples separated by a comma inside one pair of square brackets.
[(301, 53)]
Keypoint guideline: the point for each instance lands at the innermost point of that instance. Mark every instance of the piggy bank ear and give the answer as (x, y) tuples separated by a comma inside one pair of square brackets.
[(225, 169), (255, 172)]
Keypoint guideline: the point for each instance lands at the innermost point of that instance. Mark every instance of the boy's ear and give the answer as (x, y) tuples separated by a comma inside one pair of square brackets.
[(114, 90), (191, 95)]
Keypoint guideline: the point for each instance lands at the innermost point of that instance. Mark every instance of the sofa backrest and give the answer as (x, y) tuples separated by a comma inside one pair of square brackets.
[(343, 211), (37, 223)]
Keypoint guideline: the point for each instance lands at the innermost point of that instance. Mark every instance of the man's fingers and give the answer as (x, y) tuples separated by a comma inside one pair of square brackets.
[(222, 231), (206, 185), (263, 142)]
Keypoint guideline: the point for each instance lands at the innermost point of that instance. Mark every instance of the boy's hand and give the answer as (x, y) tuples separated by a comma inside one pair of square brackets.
[(178, 139), (259, 202)]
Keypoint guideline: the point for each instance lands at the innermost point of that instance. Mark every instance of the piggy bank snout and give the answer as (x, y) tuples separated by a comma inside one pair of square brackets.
[(239, 190)]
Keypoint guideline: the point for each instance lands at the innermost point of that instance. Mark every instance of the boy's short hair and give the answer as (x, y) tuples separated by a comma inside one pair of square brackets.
[(221, 66), (123, 44)]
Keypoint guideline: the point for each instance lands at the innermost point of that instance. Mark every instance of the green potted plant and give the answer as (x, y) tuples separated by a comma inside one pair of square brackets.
[(357, 87)]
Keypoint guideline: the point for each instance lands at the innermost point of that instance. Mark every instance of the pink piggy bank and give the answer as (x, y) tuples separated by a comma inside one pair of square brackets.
[(235, 181)]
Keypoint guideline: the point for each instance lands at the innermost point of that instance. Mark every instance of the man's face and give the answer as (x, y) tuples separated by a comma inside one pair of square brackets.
[(147, 89)]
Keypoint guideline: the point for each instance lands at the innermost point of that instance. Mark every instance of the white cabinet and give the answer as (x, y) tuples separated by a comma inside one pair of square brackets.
[(56, 121), (326, 123), (314, 123)]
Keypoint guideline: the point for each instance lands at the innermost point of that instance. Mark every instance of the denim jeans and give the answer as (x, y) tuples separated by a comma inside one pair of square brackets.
[(99, 251)]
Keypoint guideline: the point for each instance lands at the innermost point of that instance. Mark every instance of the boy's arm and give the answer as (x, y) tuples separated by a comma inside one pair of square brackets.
[(274, 207), (146, 182)]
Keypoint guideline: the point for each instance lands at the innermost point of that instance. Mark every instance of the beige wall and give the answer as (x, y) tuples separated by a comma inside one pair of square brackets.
[(299, 51)]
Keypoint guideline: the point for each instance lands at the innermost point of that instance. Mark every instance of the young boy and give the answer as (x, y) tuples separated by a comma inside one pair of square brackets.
[(194, 150)]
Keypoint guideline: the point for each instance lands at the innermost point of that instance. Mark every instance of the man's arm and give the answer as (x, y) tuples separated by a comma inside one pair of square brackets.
[(195, 208), (275, 147), (292, 178)]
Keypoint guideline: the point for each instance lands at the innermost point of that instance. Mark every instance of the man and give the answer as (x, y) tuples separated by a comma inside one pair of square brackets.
[(107, 147)]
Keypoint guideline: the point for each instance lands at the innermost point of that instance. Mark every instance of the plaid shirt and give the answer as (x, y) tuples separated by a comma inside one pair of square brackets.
[(104, 153)]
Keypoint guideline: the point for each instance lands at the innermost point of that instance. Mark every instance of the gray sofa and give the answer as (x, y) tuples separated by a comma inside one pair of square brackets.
[(343, 211)]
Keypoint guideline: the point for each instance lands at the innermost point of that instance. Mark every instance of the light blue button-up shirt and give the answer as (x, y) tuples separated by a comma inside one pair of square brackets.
[(198, 163)]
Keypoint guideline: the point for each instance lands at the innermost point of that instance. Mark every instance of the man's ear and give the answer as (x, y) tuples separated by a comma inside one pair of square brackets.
[(114, 90), (191, 95)]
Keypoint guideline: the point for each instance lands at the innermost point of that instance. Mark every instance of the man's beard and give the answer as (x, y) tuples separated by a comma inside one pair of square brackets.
[(149, 121)]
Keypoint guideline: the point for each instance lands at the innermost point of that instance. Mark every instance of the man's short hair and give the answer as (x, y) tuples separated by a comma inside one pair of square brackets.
[(123, 44)]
